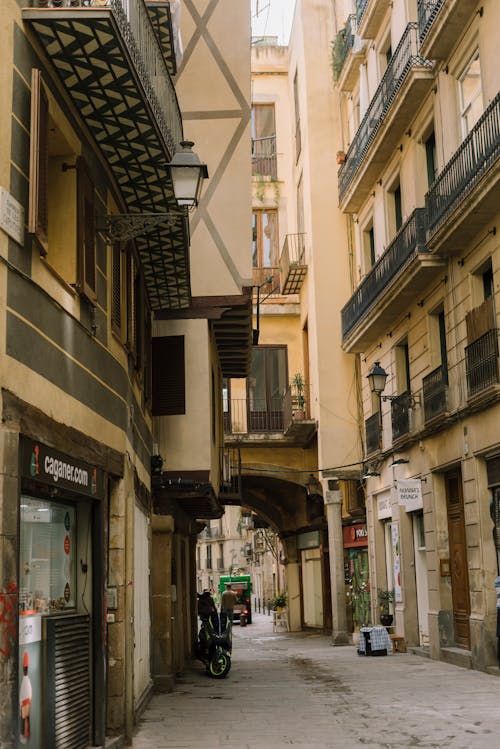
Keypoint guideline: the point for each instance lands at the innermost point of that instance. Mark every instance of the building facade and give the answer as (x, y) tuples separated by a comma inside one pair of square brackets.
[(418, 184)]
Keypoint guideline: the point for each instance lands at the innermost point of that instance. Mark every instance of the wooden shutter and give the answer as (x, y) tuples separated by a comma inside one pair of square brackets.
[(139, 321), (147, 354), (130, 275), (86, 232), (480, 320), (39, 163), (116, 288), (169, 397)]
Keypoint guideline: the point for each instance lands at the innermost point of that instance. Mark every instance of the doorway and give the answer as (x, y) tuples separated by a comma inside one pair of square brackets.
[(458, 558)]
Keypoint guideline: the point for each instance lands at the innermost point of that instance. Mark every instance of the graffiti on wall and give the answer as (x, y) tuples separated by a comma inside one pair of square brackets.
[(8, 607)]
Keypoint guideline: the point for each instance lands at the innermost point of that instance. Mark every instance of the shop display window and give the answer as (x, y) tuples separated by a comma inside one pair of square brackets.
[(47, 556)]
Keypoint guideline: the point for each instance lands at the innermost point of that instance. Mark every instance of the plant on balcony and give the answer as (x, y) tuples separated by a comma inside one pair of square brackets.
[(299, 397)]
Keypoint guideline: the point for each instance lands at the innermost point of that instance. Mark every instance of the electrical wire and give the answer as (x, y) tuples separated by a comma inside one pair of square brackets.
[(300, 470)]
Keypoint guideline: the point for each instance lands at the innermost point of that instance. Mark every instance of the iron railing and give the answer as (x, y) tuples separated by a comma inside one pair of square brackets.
[(264, 157), (135, 26), (293, 266), (230, 483), (260, 415), (405, 57), (373, 431), (481, 363), (400, 415), (360, 9), (434, 388), (408, 242), (470, 162), (344, 42), (427, 13)]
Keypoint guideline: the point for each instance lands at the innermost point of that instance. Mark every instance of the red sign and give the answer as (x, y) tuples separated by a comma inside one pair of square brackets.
[(355, 535)]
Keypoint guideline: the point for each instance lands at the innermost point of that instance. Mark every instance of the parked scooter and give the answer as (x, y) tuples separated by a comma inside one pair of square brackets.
[(214, 640)]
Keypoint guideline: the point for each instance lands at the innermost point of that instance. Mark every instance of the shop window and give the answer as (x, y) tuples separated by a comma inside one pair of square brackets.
[(470, 93), (47, 556)]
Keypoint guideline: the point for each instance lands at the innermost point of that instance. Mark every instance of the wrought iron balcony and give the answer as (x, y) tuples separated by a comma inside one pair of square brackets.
[(264, 157), (230, 484), (441, 23), (464, 195), (344, 42), (369, 14), (293, 268), (108, 58), (435, 388), (481, 363), (373, 431), (400, 415), (382, 294), (395, 102)]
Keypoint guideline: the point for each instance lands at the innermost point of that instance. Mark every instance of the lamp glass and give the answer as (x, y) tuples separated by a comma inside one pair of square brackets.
[(186, 181), (377, 378)]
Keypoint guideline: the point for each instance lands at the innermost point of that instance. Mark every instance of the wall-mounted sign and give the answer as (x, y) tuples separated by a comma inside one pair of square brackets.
[(42, 463), (355, 535), (11, 216), (384, 507), (309, 540), (409, 493)]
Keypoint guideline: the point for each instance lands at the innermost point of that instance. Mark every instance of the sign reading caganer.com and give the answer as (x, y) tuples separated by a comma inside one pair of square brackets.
[(409, 492)]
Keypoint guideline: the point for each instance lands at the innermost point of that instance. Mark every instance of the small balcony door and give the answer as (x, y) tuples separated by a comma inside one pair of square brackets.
[(266, 388)]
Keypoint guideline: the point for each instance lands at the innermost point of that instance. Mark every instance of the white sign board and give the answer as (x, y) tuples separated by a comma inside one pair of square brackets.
[(11, 216), (384, 506), (30, 629), (409, 492)]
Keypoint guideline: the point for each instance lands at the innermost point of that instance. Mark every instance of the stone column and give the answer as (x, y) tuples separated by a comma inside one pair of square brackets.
[(333, 504)]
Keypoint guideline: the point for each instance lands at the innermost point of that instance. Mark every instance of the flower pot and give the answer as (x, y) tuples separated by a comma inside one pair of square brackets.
[(386, 619)]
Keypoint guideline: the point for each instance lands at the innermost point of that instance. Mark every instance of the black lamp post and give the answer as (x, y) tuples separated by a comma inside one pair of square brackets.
[(187, 174), (377, 378)]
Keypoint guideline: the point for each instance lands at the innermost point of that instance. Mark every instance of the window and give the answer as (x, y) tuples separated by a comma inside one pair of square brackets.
[(264, 239), (402, 367), (267, 384), (263, 140), (86, 232), (369, 247), (209, 556), (470, 91), (116, 289), (169, 397), (298, 137), (394, 209), (430, 158)]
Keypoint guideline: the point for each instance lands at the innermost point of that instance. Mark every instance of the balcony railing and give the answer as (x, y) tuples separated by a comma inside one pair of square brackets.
[(265, 415), (400, 415), (342, 45), (134, 23), (405, 57), (264, 157), (373, 430), (481, 363), (360, 9), (434, 387), (409, 240), (468, 165), (427, 12), (293, 268), (230, 484)]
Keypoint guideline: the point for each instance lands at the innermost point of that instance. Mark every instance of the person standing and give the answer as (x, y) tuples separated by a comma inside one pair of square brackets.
[(228, 601)]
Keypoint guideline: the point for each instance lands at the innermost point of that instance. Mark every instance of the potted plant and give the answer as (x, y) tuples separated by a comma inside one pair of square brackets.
[(300, 401), (278, 603), (385, 598)]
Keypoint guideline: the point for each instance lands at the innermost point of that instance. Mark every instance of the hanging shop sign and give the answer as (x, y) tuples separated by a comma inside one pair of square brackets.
[(384, 506), (355, 535), (48, 466), (409, 493)]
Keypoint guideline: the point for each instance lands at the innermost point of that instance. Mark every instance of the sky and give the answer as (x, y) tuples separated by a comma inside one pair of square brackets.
[(272, 18)]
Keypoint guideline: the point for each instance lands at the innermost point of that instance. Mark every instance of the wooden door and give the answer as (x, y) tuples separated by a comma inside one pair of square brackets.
[(458, 558)]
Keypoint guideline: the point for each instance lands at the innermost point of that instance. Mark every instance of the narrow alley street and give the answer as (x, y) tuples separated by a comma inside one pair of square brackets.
[(296, 689)]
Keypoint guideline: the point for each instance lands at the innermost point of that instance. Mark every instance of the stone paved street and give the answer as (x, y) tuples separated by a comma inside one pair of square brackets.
[(296, 689)]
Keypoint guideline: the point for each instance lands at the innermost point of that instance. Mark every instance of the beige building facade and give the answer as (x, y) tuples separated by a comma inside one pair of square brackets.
[(418, 184)]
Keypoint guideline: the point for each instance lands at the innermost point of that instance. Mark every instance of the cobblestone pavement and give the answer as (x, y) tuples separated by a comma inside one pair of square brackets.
[(297, 690)]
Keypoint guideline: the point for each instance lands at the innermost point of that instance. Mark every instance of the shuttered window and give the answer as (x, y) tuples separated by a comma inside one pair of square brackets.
[(86, 233), (139, 321), (39, 162), (116, 288), (169, 397), (130, 275)]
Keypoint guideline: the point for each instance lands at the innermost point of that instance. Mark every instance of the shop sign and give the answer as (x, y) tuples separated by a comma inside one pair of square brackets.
[(409, 493), (11, 216), (49, 466), (355, 535), (384, 506), (308, 540)]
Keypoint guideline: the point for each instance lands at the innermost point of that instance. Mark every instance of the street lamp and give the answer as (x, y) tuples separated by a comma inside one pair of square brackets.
[(187, 174), (377, 377)]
